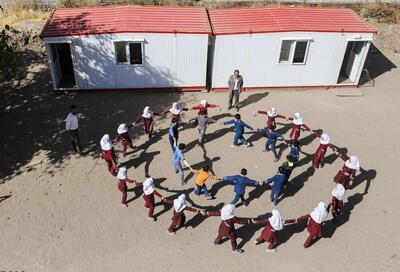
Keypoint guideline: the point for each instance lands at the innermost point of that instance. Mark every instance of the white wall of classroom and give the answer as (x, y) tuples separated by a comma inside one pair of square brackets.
[(257, 55), (170, 60)]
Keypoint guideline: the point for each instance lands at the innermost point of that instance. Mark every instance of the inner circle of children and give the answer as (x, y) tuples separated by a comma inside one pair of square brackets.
[(343, 180)]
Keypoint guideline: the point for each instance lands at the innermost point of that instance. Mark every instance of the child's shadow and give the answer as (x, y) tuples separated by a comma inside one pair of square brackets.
[(256, 193), (219, 133), (288, 231), (167, 206), (246, 232), (198, 218), (219, 185), (144, 157), (296, 183)]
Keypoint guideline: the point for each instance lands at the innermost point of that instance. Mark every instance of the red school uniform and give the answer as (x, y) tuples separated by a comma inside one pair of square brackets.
[(111, 160), (123, 188), (271, 122), (203, 110), (346, 175), (269, 234)]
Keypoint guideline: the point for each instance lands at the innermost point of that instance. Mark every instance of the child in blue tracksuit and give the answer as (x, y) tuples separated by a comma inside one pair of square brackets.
[(239, 130), (272, 137), (277, 185), (241, 181), (294, 152)]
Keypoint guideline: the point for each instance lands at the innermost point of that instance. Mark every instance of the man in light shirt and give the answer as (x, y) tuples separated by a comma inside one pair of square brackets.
[(235, 85), (72, 127)]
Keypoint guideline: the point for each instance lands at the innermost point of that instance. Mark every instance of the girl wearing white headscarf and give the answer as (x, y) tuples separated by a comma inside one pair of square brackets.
[(298, 123), (319, 155), (178, 216), (176, 111), (203, 107), (149, 191), (272, 114), (227, 226), (273, 225), (337, 199), (316, 220), (124, 137), (348, 172), (108, 154), (122, 180), (147, 119)]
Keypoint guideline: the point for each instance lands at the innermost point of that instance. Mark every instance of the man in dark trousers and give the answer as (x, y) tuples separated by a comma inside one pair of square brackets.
[(72, 127), (235, 85)]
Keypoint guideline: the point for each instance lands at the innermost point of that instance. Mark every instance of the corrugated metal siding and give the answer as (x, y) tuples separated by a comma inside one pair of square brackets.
[(170, 60), (125, 19), (286, 19), (256, 56)]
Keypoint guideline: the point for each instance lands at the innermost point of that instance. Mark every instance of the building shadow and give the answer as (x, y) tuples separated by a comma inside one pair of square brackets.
[(376, 63)]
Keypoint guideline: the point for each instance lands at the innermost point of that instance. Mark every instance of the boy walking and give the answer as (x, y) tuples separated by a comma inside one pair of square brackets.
[(272, 137), (176, 161), (203, 175), (173, 134), (72, 127), (239, 130), (277, 184), (241, 181)]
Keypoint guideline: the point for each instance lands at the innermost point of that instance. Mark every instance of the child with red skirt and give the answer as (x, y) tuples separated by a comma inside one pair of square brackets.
[(319, 155), (149, 191), (348, 172), (203, 107), (272, 115), (147, 119), (123, 136), (337, 199), (176, 111), (315, 223), (108, 154), (122, 180), (178, 216), (296, 127), (272, 227), (227, 226)]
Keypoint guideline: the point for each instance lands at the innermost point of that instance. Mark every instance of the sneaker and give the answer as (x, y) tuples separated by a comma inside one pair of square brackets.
[(170, 233), (245, 203), (209, 197), (151, 218), (124, 205), (234, 146), (237, 251), (271, 250), (256, 242), (247, 145)]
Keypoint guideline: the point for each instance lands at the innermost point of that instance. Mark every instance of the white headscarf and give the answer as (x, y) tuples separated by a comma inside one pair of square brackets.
[(298, 119), (272, 112), (353, 163), (276, 220), (148, 186), (122, 173), (319, 214), (338, 191), (175, 109), (147, 113), (105, 142), (122, 128), (203, 102), (227, 212), (180, 203), (325, 139)]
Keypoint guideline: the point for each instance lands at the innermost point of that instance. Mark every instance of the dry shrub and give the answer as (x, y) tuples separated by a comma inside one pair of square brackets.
[(383, 13)]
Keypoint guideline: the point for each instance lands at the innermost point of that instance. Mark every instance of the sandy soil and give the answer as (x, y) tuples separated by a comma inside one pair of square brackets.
[(60, 212)]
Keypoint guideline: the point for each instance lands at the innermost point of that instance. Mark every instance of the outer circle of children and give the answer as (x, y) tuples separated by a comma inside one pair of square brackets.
[(315, 220)]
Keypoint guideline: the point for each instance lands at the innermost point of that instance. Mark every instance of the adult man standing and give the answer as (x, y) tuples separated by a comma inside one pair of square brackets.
[(235, 85), (72, 127)]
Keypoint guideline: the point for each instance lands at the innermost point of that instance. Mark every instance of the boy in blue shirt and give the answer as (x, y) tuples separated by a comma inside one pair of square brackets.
[(241, 181), (272, 137), (294, 152), (277, 185), (177, 159), (239, 130), (173, 134)]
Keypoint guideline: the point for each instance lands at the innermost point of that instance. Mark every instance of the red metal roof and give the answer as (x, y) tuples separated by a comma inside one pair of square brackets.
[(123, 19), (286, 19)]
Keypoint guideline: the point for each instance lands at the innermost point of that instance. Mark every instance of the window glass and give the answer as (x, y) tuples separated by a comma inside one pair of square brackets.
[(120, 51), (135, 53), (285, 51), (300, 52)]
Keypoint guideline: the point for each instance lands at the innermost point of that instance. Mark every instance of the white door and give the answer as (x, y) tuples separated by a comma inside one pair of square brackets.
[(355, 60)]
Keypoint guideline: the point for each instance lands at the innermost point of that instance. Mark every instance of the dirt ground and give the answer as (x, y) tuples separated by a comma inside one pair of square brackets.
[(61, 212)]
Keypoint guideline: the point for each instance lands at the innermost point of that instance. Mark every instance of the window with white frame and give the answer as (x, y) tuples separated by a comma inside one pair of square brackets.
[(294, 51), (128, 52)]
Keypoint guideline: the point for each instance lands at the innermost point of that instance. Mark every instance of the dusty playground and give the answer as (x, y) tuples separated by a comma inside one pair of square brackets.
[(61, 212)]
